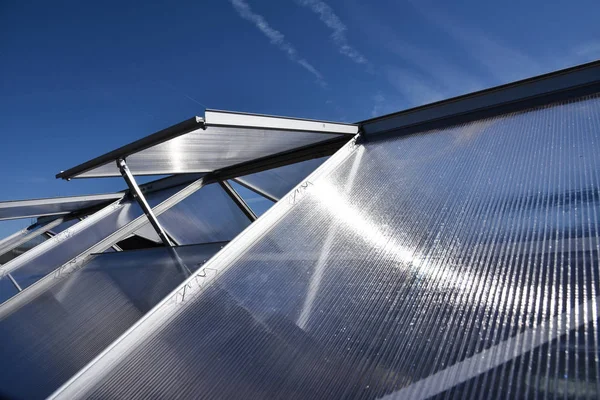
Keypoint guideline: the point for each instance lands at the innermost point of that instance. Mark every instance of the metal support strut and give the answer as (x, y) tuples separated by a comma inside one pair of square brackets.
[(14, 282), (237, 199), (135, 190)]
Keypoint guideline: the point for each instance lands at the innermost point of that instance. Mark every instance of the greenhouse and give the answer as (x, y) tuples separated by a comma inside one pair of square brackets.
[(449, 250)]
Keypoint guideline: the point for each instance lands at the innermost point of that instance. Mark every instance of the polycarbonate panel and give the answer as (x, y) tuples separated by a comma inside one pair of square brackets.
[(12, 240), (210, 150), (7, 289), (208, 215), (47, 338), (52, 206), (460, 262), (9, 241), (257, 203), (74, 244), (67, 245), (148, 232), (22, 248), (278, 182), (64, 226), (28, 238)]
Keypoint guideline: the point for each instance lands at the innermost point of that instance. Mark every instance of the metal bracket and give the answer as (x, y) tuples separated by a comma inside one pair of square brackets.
[(137, 193)]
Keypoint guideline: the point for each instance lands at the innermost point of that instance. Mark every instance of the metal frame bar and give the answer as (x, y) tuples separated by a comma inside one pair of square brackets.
[(169, 182), (255, 189), (48, 281), (8, 239), (116, 248), (37, 232), (134, 225), (19, 288), (48, 244), (237, 199), (135, 190), (266, 122), (35, 203), (517, 96), (318, 150), (322, 149), (139, 145), (212, 118), (51, 234), (101, 245), (193, 286)]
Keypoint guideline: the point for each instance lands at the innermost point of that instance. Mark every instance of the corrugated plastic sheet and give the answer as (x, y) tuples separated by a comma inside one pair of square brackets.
[(208, 215), (211, 149), (461, 262), (47, 337), (67, 245), (278, 182), (22, 248), (52, 206)]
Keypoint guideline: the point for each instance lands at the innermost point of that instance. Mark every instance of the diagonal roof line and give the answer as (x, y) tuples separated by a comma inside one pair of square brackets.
[(214, 118), (540, 90), (139, 145), (16, 209)]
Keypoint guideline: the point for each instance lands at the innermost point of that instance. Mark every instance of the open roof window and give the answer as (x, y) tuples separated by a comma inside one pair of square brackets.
[(219, 140)]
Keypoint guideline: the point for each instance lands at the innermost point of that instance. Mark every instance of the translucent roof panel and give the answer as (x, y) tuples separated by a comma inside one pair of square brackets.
[(222, 139), (26, 239), (456, 262), (58, 251), (52, 206), (69, 244), (49, 335), (277, 182), (210, 150), (64, 226), (22, 248), (148, 233), (13, 240), (7, 290), (208, 215), (257, 203)]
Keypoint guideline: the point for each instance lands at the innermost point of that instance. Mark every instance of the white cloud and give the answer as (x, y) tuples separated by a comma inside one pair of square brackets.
[(450, 79), (379, 97), (418, 74), (416, 89), (503, 62), (275, 37), (333, 22), (379, 100), (588, 51)]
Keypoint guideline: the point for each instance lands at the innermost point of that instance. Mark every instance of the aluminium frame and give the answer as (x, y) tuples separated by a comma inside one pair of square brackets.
[(238, 200), (141, 200), (532, 92), (35, 207), (255, 189), (217, 119), (163, 135), (549, 88), (28, 236)]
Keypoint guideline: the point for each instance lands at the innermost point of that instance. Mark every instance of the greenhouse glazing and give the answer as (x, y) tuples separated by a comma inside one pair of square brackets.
[(449, 250)]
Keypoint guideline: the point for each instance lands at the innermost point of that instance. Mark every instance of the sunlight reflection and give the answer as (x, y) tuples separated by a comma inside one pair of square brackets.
[(176, 149), (317, 276), (433, 271)]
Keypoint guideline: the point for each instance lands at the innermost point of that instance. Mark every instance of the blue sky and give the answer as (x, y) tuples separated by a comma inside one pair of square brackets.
[(82, 78)]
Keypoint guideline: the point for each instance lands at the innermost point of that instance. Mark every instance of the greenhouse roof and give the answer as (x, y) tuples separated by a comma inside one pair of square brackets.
[(447, 250)]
